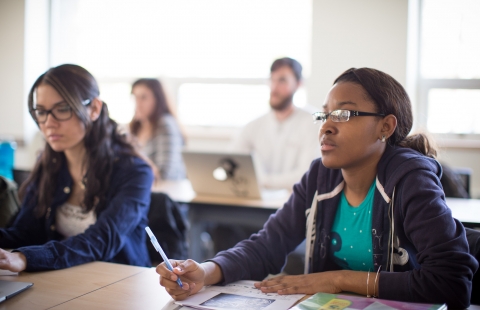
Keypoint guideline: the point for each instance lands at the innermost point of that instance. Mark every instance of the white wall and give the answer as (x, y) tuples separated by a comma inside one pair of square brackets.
[(350, 33), (23, 57), (12, 109)]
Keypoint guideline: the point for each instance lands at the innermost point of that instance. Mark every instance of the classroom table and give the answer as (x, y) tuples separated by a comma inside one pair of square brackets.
[(255, 212), (204, 209), (52, 288), (139, 291), (466, 211), (96, 285)]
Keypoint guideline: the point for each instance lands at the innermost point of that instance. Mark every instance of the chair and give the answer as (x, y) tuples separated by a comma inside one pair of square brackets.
[(465, 175), (169, 226), (473, 238), (20, 176), (9, 202), (456, 181)]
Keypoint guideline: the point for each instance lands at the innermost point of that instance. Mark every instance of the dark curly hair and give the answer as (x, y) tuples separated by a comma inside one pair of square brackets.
[(389, 97)]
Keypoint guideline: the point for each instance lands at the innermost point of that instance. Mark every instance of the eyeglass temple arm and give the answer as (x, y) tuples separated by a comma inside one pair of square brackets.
[(357, 113)]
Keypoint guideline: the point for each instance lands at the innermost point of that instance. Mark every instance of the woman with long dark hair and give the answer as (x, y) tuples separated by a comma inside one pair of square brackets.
[(88, 195), (371, 209), (157, 130)]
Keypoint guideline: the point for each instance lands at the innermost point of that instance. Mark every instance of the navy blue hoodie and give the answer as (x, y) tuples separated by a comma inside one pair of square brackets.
[(422, 251)]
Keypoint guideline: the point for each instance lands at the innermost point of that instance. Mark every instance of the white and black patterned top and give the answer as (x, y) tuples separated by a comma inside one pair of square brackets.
[(165, 149)]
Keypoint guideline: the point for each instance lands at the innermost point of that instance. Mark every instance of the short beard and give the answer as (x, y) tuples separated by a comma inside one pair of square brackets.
[(282, 105)]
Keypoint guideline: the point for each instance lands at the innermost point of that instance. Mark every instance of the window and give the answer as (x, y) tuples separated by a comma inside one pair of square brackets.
[(226, 105), (449, 80), (212, 53), (454, 110)]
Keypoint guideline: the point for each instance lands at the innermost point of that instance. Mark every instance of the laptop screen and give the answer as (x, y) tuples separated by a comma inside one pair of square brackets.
[(224, 174)]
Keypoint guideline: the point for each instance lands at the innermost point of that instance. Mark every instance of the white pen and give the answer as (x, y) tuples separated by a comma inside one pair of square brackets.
[(159, 249)]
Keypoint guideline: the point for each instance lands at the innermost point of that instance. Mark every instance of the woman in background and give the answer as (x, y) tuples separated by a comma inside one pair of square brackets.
[(88, 195), (157, 130)]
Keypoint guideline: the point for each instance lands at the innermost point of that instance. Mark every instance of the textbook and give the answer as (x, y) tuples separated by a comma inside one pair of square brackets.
[(324, 301)]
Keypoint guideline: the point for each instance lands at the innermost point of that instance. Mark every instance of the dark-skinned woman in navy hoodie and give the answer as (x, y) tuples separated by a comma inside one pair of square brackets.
[(372, 211)]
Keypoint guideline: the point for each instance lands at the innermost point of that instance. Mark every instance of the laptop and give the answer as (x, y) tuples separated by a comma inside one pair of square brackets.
[(8, 289), (222, 174)]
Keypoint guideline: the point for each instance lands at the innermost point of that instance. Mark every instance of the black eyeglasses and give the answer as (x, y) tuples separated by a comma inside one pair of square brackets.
[(60, 112), (339, 116)]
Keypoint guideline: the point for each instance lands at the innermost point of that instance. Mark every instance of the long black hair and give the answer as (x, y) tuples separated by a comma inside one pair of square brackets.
[(102, 141)]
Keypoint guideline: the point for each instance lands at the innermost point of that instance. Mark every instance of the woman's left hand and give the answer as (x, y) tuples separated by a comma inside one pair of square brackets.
[(14, 262), (301, 284)]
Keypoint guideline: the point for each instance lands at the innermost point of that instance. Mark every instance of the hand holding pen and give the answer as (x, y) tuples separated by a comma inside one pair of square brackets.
[(159, 249), (193, 274)]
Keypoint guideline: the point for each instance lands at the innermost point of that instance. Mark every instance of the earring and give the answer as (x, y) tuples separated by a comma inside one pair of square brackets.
[(383, 139)]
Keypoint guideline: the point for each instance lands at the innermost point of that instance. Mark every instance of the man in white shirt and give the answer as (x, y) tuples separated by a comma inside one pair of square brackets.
[(284, 141)]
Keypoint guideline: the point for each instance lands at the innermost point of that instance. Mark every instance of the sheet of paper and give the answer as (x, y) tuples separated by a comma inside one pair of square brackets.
[(239, 295)]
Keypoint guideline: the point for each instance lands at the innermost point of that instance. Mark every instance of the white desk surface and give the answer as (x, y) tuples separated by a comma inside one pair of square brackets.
[(465, 210), (182, 191)]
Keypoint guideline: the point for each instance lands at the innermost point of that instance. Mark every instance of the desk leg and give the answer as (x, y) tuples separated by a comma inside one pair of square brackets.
[(197, 227)]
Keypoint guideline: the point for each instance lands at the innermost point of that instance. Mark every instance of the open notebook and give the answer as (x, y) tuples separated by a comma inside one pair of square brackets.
[(226, 174)]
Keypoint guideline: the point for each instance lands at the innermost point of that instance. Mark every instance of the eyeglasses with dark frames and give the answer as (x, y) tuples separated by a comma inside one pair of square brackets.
[(59, 112), (340, 116)]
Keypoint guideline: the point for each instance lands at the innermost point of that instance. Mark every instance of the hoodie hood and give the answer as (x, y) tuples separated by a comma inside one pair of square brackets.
[(398, 161)]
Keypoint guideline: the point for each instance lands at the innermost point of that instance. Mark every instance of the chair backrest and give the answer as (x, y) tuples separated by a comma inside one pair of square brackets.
[(169, 226), (465, 175), (20, 176), (456, 181), (473, 238), (9, 202)]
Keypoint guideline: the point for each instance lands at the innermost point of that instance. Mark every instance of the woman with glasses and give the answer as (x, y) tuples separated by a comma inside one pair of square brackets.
[(88, 195), (156, 130), (372, 211)]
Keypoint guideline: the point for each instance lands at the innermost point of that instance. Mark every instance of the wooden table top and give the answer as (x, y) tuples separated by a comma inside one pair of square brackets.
[(96, 285), (139, 291), (51, 288)]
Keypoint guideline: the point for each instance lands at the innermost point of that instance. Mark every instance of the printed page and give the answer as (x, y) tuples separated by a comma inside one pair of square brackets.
[(239, 295)]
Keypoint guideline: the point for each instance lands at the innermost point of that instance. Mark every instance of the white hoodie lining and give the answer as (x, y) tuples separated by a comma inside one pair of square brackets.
[(382, 190), (311, 215)]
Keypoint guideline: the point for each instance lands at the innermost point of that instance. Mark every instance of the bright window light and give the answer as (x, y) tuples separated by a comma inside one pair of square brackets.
[(119, 101), (177, 41), (450, 39), (224, 105), (454, 111), (182, 38)]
